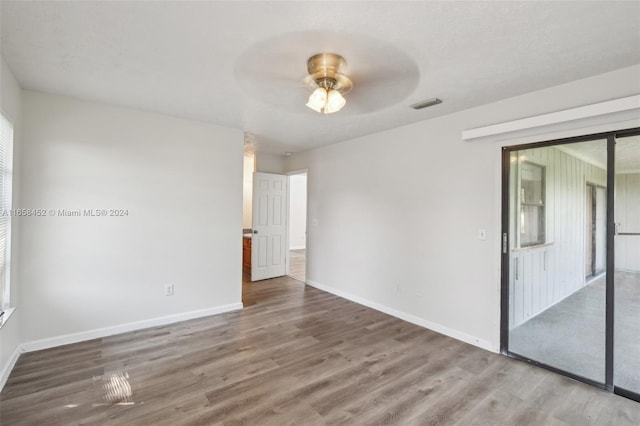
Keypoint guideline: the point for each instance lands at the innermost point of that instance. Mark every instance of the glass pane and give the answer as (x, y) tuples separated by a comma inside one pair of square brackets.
[(531, 183), (627, 265), (531, 225), (557, 226)]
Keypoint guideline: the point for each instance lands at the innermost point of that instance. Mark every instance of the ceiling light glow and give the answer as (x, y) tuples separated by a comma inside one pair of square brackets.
[(335, 102), (318, 99)]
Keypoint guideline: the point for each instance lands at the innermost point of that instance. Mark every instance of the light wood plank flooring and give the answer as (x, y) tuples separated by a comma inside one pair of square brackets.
[(295, 355), (297, 264)]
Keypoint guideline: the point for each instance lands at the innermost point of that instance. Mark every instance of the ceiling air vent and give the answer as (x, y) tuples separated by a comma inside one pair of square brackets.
[(426, 103)]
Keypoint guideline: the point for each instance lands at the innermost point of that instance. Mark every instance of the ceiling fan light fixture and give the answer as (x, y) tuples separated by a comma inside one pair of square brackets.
[(318, 99), (326, 70), (335, 102)]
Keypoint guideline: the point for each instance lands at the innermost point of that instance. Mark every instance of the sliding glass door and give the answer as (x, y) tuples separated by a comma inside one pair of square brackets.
[(571, 272), (627, 266), (557, 307)]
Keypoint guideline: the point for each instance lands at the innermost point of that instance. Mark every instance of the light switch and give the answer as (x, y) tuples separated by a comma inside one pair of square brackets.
[(482, 234)]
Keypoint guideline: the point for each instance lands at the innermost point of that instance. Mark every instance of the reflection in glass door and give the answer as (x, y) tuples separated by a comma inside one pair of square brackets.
[(627, 267), (596, 230), (556, 255)]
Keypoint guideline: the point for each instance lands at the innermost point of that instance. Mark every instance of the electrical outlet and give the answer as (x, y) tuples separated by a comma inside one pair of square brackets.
[(168, 290)]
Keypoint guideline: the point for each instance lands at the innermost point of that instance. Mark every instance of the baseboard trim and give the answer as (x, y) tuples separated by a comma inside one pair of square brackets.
[(6, 371), (66, 339), (298, 248), (472, 340)]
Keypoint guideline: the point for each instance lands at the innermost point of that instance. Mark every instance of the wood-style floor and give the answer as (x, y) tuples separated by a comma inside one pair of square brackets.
[(295, 355), (297, 264)]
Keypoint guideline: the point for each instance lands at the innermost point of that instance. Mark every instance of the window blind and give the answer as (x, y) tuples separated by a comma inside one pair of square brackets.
[(6, 172)]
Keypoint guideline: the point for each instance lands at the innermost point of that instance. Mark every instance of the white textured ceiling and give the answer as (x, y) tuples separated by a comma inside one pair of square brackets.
[(235, 63)]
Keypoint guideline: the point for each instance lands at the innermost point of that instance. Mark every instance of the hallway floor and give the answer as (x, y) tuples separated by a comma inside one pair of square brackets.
[(297, 265)]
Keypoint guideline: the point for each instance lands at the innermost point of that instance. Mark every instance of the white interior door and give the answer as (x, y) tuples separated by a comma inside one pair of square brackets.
[(269, 240)]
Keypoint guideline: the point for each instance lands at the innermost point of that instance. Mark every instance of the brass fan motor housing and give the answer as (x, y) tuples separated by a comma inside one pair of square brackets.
[(327, 70)]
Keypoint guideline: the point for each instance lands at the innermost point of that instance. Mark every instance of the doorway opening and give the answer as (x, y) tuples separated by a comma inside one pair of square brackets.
[(297, 229), (248, 168)]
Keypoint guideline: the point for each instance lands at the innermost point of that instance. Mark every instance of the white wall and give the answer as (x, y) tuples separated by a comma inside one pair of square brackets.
[(297, 211), (181, 183), (269, 163), (11, 106), (398, 212)]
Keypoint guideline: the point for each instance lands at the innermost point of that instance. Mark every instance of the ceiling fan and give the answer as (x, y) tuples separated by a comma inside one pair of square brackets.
[(273, 73), (327, 73)]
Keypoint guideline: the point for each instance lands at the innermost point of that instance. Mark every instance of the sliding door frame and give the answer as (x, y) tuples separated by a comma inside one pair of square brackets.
[(610, 268), (610, 240), (610, 137)]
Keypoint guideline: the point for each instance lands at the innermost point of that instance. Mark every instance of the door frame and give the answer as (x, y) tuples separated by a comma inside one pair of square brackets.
[(610, 259), (306, 229)]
